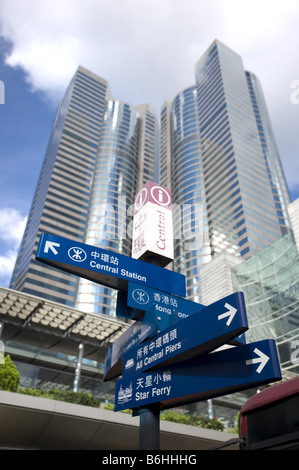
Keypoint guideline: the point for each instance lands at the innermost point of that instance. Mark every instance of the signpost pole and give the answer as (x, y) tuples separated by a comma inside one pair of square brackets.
[(153, 243), (192, 374), (78, 368), (149, 424), (149, 427)]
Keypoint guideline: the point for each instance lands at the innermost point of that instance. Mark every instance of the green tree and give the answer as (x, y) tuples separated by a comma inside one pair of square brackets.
[(202, 422), (9, 375), (210, 423)]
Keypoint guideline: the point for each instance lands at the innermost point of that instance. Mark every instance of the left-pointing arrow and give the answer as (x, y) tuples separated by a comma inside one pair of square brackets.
[(230, 313), (51, 245), (262, 360)]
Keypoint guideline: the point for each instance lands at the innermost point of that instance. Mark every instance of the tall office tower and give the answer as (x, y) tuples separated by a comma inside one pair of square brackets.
[(126, 146), (181, 155), (218, 150), (92, 165)]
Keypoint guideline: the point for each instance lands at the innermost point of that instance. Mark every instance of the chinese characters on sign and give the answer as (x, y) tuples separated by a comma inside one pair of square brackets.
[(155, 386), (155, 349), (170, 354), (105, 267), (201, 377)]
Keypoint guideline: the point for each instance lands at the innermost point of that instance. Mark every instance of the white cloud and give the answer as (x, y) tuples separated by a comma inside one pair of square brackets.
[(136, 45), (11, 231), (12, 225), (147, 46), (147, 49), (7, 263)]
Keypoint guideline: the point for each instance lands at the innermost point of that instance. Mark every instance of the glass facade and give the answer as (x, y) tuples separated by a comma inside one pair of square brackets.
[(241, 173), (217, 148), (148, 145), (271, 155), (188, 189), (100, 153), (60, 204), (218, 156), (270, 282), (115, 178)]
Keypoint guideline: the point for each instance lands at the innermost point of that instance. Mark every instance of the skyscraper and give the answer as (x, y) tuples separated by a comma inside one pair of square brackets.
[(125, 160), (217, 155), (218, 150), (182, 170), (99, 153)]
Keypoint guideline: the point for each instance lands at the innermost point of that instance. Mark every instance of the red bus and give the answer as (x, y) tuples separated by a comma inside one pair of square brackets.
[(270, 419)]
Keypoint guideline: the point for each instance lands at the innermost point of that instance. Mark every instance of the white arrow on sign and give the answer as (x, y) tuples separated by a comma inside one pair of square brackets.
[(261, 360), (230, 313), (51, 246)]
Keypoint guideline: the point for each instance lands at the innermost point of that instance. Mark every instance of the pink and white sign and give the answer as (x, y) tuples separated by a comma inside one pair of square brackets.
[(152, 224), (154, 193)]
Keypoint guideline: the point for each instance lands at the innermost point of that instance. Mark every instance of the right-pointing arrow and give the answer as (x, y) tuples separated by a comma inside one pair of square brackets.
[(230, 313), (51, 246), (261, 360)]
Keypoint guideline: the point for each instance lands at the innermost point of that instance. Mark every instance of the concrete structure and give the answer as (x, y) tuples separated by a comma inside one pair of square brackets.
[(60, 203), (217, 278), (43, 339), (42, 424)]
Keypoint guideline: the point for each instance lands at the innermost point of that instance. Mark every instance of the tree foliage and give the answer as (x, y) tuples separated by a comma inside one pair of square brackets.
[(202, 422), (9, 375), (79, 398)]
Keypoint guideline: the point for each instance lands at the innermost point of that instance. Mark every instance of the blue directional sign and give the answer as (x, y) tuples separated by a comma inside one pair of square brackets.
[(199, 333), (105, 267), (165, 309), (152, 323), (207, 376), (149, 325), (133, 336), (142, 298)]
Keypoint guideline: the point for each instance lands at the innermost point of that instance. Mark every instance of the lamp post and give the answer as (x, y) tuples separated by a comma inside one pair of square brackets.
[(78, 368)]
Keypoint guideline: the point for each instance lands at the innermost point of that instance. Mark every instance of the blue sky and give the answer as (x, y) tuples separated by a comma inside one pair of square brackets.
[(26, 120), (147, 51)]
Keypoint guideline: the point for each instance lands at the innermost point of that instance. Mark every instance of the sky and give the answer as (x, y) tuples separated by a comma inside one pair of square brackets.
[(146, 50)]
